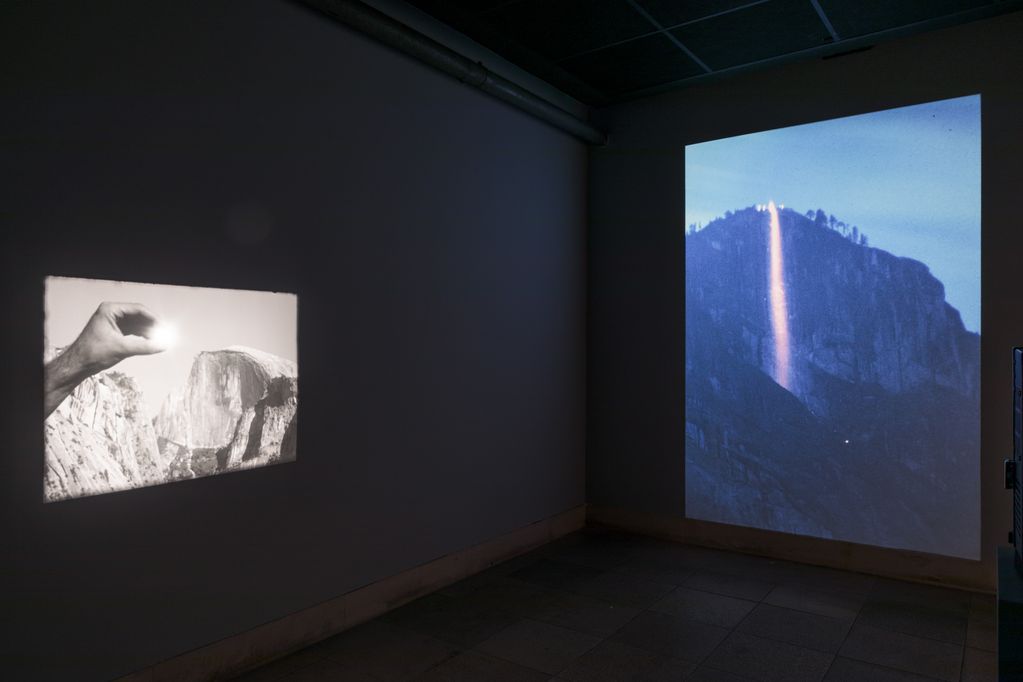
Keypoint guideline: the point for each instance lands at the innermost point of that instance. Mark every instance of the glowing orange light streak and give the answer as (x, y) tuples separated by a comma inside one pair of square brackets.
[(779, 308)]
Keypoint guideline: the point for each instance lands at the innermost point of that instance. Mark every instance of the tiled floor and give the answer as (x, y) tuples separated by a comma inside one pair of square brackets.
[(599, 606)]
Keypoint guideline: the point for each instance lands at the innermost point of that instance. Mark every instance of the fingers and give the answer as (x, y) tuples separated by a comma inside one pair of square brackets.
[(140, 345), (114, 310), (133, 329)]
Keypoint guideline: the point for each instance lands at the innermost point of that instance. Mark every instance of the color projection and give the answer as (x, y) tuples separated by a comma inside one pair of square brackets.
[(146, 384), (833, 329)]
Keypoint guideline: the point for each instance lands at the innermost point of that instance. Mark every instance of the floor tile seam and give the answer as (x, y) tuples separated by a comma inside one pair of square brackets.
[(439, 663), (547, 585), (555, 585), (459, 648), (654, 652), (962, 663), (980, 648), (586, 632), (637, 579), (571, 593), (564, 627), (835, 592), (886, 667), (934, 584), (628, 574), (419, 633), (833, 659), (852, 626), (959, 610), (817, 590), (782, 641), (578, 564), (977, 648), (898, 670), (703, 659), (620, 603), (688, 619), (739, 624), (716, 594), (926, 606), (812, 613), (543, 672), (962, 654), (759, 600), (923, 600), (961, 645), (692, 619), (770, 640), (660, 652), (469, 603), (705, 664), (993, 619), (709, 664), (718, 570), (508, 660), (777, 580), (557, 592), (632, 574)]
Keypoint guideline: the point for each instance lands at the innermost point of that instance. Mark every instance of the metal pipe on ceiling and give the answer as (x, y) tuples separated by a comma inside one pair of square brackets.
[(397, 35)]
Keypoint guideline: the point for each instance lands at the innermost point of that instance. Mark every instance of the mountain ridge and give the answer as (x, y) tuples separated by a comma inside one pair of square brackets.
[(884, 390), (236, 410)]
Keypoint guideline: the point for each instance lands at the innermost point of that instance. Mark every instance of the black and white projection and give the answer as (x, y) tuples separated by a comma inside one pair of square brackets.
[(832, 338), (147, 384)]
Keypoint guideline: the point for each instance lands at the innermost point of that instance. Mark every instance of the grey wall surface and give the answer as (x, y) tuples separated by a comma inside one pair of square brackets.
[(636, 260), (435, 238)]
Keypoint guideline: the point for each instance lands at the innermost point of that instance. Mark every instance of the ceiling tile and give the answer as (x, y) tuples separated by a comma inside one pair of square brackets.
[(863, 17), (595, 49), (562, 28), (771, 29), (634, 65), (672, 12)]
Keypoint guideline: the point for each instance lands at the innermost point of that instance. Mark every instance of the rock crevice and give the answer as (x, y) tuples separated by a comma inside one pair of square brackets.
[(237, 409)]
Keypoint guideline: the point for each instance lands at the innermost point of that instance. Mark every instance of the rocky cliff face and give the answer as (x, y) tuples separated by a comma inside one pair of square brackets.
[(237, 410), (100, 440), (878, 437)]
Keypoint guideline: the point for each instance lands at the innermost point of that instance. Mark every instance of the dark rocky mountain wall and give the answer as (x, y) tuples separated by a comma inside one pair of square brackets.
[(878, 440), (233, 413), (99, 440), (238, 409)]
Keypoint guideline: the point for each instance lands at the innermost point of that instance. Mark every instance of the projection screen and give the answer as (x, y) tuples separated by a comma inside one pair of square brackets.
[(832, 329), (146, 384)]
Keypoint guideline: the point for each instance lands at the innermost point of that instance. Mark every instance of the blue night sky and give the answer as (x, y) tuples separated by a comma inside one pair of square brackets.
[(908, 177)]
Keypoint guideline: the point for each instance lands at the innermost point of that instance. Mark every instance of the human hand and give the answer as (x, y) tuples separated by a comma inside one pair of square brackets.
[(114, 332)]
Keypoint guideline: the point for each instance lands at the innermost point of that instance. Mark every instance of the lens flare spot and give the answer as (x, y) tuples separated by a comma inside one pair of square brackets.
[(164, 335)]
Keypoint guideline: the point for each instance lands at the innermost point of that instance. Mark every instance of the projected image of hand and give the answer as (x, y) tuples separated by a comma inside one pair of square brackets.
[(120, 330), (114, 332)]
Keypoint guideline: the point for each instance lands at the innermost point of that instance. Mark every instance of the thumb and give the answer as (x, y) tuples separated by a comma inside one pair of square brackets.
[(139, 345)]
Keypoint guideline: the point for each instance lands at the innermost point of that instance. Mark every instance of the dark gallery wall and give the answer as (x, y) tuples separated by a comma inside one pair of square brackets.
[(635, 264), (435, 238)]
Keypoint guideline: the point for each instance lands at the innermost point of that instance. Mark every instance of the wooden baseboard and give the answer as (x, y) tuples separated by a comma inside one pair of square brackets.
[(260, 645), (893, 563)]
